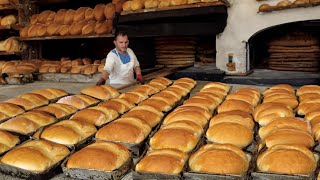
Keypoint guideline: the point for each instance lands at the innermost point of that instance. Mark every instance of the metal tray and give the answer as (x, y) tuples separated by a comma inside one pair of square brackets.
[(25, 174), (97, 174), (190, 175), (22, 138), (22, 79), (252, 147)]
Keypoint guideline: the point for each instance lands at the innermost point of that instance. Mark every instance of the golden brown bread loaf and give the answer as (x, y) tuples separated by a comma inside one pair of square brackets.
[(186, 80), (283, 99), (51, 93), (178, 139), (135, 97), (130, 130), (3, 116), (267, 112), (148, 4), (284, 86), (127, 6), (243, 97), (88, 99), (232, 104), (10, 109), (98, 12), (310, 116), (146, 89), (166, 161), (285, 123), (219, 159), (90, 69), (266, 8), (157, 85), (167, 97), (285, 159), (230, 133), (157, 104), (79, 14), (59, 110), (249, 89), (203, 102), (220, 92), (204, 111), (36, 156), (64, 30), (313, 100), (115, 105), (53, 29), (186, 125), (76, 27), (43, 16), (193, 116), (161, 80), (24, 32), (104, 92), (89, 16), (97, 115), (7, 141), (8, 20), (68, 132), (34, 19), (73, 101), (209, 95), (175, 94), (146, 115), (248, 122), (289, 137), (26, 104), (183, 85), (103, 27), (284, 4), (89, 28), (109, 11), (104, 156), (308, 89), (68, 18), (137, 5), (306, 108), (37, 99), (220, 85), (32, 31), (126, 102), (60, 15)]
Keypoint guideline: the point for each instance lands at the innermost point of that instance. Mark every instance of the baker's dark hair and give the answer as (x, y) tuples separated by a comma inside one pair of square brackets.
[(120, 33)]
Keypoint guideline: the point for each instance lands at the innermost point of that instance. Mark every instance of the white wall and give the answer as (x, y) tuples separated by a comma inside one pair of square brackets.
[(244, 21)]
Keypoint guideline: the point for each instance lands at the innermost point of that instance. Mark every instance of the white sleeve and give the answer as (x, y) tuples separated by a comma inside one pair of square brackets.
[(134, 57), (109, 63)]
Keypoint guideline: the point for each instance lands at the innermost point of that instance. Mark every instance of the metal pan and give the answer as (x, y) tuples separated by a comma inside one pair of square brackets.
[(25, 174), (97, 174), (190, 175), (22, 138), (252, 147)]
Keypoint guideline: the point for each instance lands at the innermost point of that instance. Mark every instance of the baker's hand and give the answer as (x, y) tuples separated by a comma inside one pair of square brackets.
[(140, 78), (101, 81)]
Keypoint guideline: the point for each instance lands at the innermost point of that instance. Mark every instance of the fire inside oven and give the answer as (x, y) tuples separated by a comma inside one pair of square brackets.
[(287, 47)]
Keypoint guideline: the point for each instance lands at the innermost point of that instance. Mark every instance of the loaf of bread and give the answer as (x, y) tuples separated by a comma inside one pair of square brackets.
[(7, 141), (283, 99), (73, 101), (64, 30), (3, 116), (148, 4), (8, 20), (287, 87), (76, 27), (219, 92), (284, 4), (189, 115), (157, 85), (51, 93), (43, 16), (126, 129), (37, 99), (248, 122), (285, 123), (103, 92), (24, 32), (135, 97), (103, 27), (180, 91), (36, 156), (312, 115), (308, 89), (167, 97), (26, 104), (306, 108), (109, 11), (10, 109), (209, 95), (166, 161), (98, 12), (266, 8), (69, 15), (103, 156), (232, 104), (144, 114), (203, 111), (146, 89), (115, 105), (97, 115), (203, 102), (127, 6), (137, 5), (244, 97), (157, 104), (161, 80), (219, 159), (185, 125), (178, 139), (60, 15), (186, 80), (126, 102), (27, 122), (268, 112), (89, 16), (68, 132), (286, 159), (59, 110), (230, 133), (53, 29), (79, 14), (89, 28), (220, 85)]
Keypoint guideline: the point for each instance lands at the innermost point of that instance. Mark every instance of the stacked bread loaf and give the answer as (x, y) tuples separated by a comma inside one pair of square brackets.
[(135, 5), (287, 4), (8, 20), (8, 110), (10, 44), (80, 101), (77, 66), (7, 141), (29, 101), (181, 130), (65, 22)]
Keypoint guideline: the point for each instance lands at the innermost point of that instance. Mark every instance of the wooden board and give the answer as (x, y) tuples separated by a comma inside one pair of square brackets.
[(197, 5), (294, 47), (294, 69), (175, 56), (294, 50), (66, 37), (292, 59)]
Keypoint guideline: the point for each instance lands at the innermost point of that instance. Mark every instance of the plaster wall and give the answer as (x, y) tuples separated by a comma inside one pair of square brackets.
[(244, 21)]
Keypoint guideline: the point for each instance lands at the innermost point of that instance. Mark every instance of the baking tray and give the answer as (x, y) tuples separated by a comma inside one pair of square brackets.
[(22, 139), (256, 174), (97, 174), (190, 175), (25, 174), (75, 147), (22, 79)]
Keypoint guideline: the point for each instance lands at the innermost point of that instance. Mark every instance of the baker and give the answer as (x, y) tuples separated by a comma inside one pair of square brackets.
[(121, 62)]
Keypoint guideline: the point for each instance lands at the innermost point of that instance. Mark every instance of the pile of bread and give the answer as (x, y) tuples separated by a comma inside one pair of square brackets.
[(286, 4), (11, 44), (135, 5), (8, 20), (6, 2), (77, 66), (65, 22)]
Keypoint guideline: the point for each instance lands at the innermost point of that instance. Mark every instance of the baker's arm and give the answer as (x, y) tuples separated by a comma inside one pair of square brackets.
[(139, 75), (103, 78)]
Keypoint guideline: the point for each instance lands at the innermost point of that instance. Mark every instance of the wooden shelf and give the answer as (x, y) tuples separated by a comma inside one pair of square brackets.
[(66, 37), (10, 53), (16, 27), (8, 7)]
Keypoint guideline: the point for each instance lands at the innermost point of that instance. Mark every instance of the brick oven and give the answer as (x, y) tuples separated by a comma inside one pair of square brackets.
[(244, 24)]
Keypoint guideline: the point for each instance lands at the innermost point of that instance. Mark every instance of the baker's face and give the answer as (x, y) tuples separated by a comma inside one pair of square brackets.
[(121, 43)]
